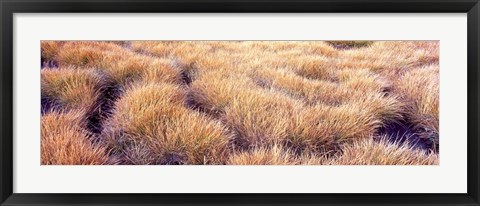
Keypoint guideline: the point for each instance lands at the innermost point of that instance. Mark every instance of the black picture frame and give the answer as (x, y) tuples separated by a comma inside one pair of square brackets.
[(10, 7)]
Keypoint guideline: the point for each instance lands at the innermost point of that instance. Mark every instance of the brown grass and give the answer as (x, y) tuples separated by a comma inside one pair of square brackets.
[(50, 49), (65, 142), (420, 88), (260, 118), (87, 54), (370, 152), (72, 88), (249, 102), (273, 155), (153, 116)]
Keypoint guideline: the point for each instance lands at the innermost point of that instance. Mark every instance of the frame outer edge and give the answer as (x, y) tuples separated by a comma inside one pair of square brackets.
[(476, 144), (473, 78), (473, 21), (6, 129), (2, 157)]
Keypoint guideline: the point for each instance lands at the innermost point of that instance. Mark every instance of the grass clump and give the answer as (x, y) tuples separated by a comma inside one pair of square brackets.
[(420, 87), (152, 116), (71, 88), (272, 155), (370, 152), (213, 92), (261, 118), (324, 128), (87, 54), (263, 156), (65, 142), (125, 68), (50, 49)]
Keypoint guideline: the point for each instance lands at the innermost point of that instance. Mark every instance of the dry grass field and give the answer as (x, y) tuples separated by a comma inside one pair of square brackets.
[(240, 102)]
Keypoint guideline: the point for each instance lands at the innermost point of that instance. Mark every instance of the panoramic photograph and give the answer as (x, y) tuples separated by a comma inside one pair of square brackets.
[(240, 102)]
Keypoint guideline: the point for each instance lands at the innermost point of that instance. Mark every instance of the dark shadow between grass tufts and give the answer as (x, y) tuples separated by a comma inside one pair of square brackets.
[(403, 132), (48, 105), (106, 102), (172, 159), (44, 63)]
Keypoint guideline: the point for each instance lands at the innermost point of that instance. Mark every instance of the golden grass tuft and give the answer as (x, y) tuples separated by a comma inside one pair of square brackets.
[(261, 118), (370, 152), (153, 115), (214, 91), (72, 88), (157, 48), (86, 54), (162, 70), (145, 104), (276, 155), (324, 127), (313, 67), (50, 49), (121, 66), (421, 89), (65, 142)]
